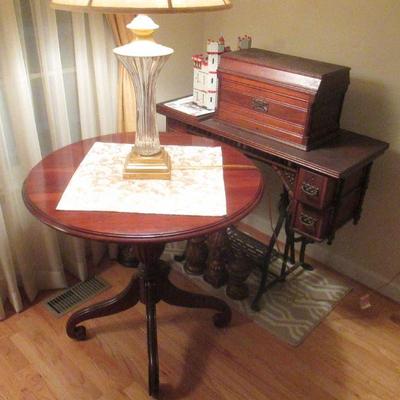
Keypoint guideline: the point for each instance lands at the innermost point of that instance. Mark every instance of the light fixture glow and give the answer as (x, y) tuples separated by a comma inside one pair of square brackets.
[(141, 6)]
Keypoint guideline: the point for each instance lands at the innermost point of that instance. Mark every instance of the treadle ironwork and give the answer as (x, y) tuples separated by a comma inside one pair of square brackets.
[(262, 255)]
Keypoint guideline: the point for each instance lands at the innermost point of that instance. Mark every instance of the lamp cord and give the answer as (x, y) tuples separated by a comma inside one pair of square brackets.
[(225, 166)]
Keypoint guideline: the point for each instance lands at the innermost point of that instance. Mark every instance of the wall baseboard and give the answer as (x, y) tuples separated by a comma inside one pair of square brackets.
[(375, 282)]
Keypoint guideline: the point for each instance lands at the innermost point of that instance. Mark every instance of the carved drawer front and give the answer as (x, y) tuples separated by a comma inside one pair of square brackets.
[(319, 190), (321, 224), (262, 111), (314, 189), (264, 102), (312, 222)]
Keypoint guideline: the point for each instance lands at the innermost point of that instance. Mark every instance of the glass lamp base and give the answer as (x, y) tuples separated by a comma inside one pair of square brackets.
[(157, 166)]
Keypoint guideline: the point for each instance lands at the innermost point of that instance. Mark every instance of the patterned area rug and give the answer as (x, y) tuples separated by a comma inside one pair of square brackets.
[(289, 310)]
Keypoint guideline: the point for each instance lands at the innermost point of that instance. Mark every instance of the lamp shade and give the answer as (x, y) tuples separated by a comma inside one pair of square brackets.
[(141, 6)]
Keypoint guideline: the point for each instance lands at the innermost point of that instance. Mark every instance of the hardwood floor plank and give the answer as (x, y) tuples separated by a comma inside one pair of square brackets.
[(9, 387), (352, 354), (57, 367), (114, 395), (5, 330), (11, 355), (99, 363), (33, 386), (136, 392)]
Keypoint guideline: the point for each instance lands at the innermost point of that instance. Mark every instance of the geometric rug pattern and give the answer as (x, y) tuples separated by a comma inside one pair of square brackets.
[(290, 310)]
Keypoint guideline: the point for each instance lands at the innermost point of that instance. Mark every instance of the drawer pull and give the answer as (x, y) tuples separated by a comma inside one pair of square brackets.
[(259, 105), (309, 190), (307, 220)]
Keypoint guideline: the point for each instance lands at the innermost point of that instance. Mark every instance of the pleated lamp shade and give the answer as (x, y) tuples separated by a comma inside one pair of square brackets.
[(141, 6)]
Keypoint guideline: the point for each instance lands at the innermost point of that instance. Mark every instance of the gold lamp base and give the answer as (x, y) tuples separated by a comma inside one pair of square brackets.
[(157, 166)]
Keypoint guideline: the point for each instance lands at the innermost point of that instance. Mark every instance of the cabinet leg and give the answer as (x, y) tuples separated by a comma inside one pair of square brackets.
[(303, 264)]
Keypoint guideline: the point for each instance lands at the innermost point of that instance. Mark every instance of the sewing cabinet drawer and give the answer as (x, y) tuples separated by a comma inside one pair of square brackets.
[(319, 191), (261, 109), (322, 224), (314, 189)]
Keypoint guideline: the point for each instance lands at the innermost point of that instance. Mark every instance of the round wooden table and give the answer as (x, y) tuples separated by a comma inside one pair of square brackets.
[(148, 233)]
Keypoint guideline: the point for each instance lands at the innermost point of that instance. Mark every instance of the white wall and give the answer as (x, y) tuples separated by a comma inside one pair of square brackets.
[(362, 34), (365, 35), (183, 33)]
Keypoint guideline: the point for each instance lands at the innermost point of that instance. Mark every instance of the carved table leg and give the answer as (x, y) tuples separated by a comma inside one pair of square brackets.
[(178, 297), (239, 270), (218, 245), (196, 255), (152, 347), (151, 286), (126, 299), (152, 273), (126, 256)]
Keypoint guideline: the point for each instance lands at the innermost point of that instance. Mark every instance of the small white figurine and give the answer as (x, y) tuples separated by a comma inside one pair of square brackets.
[(205, 80), (244, 42)]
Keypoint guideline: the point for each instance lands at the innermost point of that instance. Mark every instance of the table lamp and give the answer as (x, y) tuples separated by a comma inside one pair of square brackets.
[(144, 58)]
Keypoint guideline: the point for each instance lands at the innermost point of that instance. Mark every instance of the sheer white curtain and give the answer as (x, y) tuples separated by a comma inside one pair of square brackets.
[(57, 85)]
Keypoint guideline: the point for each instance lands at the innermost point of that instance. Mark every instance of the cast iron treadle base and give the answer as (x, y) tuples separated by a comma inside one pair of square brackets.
[(257, 252), (250, 247)]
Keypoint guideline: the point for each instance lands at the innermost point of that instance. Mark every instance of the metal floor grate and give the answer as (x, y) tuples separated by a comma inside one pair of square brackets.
[(67, 300)]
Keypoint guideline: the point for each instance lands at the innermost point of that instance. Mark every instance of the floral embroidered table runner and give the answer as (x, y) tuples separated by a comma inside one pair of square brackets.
[(196, 186)]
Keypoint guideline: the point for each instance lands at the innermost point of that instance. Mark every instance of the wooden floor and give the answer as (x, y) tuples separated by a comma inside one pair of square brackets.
[(353, 354)]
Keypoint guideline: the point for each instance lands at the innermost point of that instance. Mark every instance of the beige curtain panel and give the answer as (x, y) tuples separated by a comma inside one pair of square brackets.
[(126, 96), (51, 94)]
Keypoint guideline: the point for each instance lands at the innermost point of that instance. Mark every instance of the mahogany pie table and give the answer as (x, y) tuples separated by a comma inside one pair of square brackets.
[(148, 233)]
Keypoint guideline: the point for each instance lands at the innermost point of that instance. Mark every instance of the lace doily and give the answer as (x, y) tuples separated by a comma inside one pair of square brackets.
[(196, 186)]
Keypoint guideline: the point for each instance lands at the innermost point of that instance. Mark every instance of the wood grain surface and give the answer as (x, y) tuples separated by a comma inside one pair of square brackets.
[(47, 181), (338, 158), (352, 355)]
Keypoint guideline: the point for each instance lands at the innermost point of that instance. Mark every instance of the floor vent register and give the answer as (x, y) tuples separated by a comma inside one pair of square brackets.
[(74, 296)]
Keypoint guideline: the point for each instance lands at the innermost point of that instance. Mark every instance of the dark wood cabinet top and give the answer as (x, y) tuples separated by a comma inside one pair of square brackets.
[(338, 158), (285, 62), (314, 77), (47, 181)]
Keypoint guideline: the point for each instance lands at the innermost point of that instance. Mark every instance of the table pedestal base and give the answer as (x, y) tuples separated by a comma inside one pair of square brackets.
[(150, 286)]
